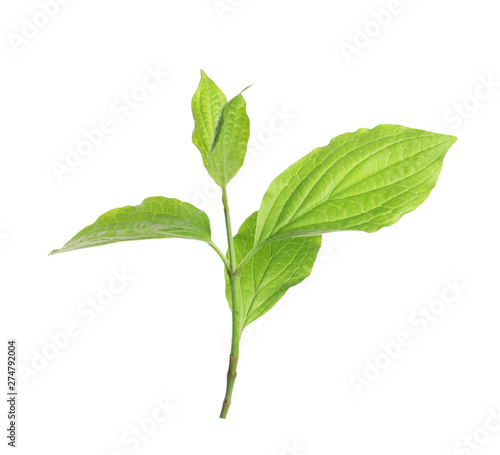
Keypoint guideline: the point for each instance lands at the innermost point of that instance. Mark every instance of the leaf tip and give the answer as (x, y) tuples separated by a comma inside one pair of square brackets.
[(449, 138), (246, 88)]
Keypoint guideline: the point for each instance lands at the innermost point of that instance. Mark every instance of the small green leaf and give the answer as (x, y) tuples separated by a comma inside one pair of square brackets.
[(360, 181), (272, 269), (207, 104), (229, 147), (154, 218)]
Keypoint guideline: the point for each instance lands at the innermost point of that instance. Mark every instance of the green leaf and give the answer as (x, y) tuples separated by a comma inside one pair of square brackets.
[(229, 147), (271, 270), (360, 181), (154, 218), (207, 104)]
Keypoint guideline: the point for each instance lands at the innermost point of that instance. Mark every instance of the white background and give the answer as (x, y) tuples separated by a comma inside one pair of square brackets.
[(164, 336)]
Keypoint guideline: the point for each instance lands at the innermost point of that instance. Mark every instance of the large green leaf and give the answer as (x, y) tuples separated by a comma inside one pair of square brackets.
[(360, 181), (154, 218), (207, 104), (271, 271), (229, 146)]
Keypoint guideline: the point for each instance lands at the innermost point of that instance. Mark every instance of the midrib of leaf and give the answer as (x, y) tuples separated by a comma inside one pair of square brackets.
[(328, 168), (282, 245), (269, 262), (308, 178), (294, 219), (409, 190), (293, 195), (211, 98), (249, 315), (261, 284), (223, 144), (122, 226), (208, 102), (384, 169)]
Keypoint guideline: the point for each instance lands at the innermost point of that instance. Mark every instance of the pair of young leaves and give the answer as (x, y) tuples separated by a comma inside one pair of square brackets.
[(360, 181)]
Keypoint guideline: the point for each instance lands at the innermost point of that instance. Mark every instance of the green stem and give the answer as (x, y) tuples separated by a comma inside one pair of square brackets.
[(230, 240), (234, 284), (235, 347)]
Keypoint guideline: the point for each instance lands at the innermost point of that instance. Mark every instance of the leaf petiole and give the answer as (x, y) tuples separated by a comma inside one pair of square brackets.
[(221, 255)]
